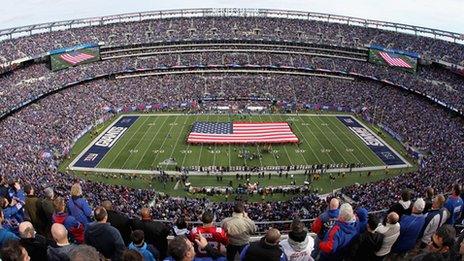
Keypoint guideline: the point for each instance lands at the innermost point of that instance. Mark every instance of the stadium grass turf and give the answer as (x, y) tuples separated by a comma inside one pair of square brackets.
[(175, 146), (151, 140)]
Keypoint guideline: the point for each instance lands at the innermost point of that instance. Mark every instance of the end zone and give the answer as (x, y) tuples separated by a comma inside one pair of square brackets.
[(380, 148), (96, 151)]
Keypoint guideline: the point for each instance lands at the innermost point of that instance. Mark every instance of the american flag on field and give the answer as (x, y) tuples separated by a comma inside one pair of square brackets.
[(76, 57), (241, 132), (394, 60)]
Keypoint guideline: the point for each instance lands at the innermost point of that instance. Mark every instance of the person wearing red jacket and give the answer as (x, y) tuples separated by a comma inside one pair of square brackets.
[(326, 220), (74, 227), (334, 245), (216, 236)]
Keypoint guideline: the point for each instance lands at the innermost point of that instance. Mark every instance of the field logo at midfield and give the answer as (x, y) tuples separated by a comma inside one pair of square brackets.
[(110, 137), (378, 146), (95, 153)]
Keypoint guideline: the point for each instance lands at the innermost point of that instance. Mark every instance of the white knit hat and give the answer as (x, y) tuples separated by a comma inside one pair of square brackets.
[(419, 204)]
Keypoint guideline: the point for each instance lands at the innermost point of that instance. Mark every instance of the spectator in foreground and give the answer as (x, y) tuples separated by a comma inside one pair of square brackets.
[(13, 251), (442, 243), (118, 220), (13, 207), (61, 251), (75, 228), (369, 242), (403, 206), (333, 247), (180, 227), (105, 238), (85, 253), (48, 209), (429, 196), (138, 244), (216, 236), (156, 233), (239, 228), (410, 228), (78, 207), (454, 204), (299, 245), (35, 244), (47, 205), (33, 208), (132, 255), (390, 232), (326, 220), (182, 249), (5, 234), (267, 248), (434, 219)]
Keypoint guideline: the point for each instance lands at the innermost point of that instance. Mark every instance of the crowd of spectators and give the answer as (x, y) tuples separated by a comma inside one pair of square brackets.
[(171, 29), (27, 83), (410, 231)]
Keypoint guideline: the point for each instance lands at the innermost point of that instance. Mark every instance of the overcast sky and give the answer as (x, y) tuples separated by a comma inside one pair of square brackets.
[(440, 14)]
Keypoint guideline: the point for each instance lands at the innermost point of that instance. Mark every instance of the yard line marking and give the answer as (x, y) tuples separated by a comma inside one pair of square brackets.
[(178, 136), (315, 137), (140, 140), (125, 145), (340, 140), (188, 146), (151, 141), (164, 141), (304, 138), (353, 142), (335, 148)]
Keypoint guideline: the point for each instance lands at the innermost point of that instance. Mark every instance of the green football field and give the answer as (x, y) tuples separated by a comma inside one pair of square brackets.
[(158, 141)]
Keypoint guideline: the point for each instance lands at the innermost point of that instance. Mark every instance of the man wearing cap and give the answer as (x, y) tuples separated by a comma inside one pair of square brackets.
[(410, 228)]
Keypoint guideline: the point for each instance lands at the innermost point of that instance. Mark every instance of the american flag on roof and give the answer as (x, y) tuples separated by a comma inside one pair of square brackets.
[(394, 60), (241, 133), (76, 57)]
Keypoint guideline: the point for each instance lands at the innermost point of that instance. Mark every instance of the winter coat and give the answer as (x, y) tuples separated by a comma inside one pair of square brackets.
[(239, 229), (106, 239)]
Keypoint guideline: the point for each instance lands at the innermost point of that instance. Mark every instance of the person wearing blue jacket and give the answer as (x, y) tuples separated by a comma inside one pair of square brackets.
[(454, 205), (339, 237), (138, 244), (5, 234), (410, 229), (78, 206), (362, 215), (13, 207)]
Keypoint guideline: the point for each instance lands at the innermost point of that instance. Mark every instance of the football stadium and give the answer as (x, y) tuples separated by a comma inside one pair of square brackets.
[(231, 134)]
